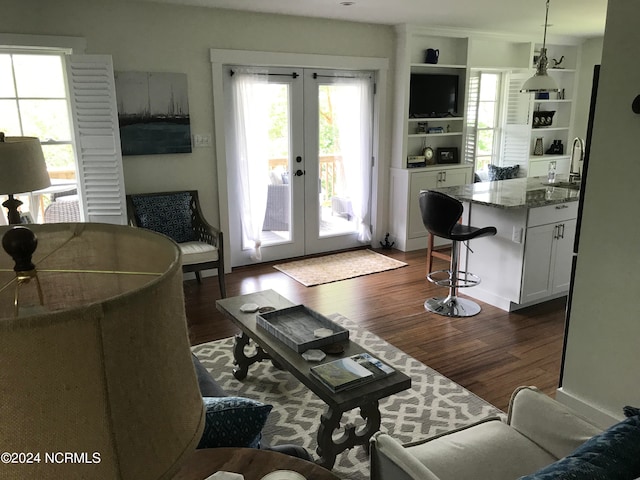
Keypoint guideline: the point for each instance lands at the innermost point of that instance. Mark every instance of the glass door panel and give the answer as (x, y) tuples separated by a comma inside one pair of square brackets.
[(338, 143)]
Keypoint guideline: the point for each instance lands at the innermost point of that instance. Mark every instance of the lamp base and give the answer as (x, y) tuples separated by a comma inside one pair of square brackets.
[(13, 215)]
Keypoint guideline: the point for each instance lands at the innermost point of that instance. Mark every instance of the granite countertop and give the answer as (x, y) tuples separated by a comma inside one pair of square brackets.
[(527, 192)]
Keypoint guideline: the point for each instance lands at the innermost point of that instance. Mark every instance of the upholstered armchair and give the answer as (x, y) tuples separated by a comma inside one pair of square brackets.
[(537, 432), (178, 216)]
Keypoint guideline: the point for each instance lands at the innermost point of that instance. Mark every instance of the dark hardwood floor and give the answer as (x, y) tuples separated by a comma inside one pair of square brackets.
[(490, 354)]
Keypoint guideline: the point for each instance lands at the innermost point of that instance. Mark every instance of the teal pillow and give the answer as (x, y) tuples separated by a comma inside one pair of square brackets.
[(503, 173), (612, 455), (233, 422)]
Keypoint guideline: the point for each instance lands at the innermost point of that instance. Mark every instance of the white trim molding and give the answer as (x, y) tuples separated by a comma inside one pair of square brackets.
[(75, 45)]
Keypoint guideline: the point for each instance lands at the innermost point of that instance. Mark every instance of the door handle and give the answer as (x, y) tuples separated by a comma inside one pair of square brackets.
[(299, 173)]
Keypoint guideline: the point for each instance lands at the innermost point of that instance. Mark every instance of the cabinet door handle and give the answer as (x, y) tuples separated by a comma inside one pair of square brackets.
[(561, 230), (556, 230), (560, 207)]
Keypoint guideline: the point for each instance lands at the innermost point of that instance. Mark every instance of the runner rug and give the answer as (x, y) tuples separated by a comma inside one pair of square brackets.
[(432, 405), (338, 266)]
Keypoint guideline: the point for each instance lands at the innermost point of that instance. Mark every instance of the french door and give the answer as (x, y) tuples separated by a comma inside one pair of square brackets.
[(299, 161)]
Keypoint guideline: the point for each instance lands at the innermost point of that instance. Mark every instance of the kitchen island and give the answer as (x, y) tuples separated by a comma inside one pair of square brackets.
[(528, 261)]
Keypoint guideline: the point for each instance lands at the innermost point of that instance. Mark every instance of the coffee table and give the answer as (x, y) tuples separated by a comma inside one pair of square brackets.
[(365, 397)]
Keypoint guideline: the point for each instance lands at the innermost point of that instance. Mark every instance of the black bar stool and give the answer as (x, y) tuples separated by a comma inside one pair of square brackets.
[(440, 215)]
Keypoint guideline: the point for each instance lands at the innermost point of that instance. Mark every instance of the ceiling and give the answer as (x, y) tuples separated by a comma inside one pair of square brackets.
[(576, 18)]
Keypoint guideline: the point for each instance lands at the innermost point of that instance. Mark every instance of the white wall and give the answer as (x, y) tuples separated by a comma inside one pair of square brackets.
[(602, 368), (154, 37)]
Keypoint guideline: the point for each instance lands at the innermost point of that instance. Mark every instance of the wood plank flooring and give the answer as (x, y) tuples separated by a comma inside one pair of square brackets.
[(490, 354)]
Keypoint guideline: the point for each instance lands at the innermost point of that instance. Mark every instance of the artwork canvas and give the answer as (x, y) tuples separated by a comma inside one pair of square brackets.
[(153, 113)]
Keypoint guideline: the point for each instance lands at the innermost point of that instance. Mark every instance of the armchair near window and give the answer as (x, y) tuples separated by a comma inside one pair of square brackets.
[(178, 216)]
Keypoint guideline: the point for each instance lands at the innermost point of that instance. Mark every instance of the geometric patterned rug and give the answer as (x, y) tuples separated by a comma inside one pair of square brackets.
[(432, 405), (338, 266)]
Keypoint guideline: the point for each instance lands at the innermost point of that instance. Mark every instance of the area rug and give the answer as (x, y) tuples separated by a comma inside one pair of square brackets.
[(338, 266), (432, 405)]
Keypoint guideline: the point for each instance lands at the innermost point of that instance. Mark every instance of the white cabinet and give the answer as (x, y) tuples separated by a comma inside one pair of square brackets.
[(548, 252), (528, 261), (412, 133), (407, 229)]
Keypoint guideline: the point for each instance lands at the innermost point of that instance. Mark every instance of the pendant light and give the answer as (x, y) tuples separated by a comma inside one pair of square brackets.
[(541, 81)]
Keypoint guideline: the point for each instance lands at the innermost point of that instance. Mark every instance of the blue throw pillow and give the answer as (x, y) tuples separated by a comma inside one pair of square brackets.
[(503, 173), (168, 214), (612, 455), (233, 422)]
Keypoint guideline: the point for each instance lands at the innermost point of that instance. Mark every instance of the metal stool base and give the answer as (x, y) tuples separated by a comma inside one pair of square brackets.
[(452, 306)]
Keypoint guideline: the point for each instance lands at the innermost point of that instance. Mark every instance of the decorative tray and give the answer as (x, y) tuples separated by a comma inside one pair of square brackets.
[(295, 326)]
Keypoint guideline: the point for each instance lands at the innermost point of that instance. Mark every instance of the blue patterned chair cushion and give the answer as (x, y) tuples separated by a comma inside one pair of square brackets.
[(233, 422), (503, 173), (167, 214), (612, 455)]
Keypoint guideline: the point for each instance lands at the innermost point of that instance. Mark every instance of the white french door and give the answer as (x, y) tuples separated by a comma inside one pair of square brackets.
[(299, 149)]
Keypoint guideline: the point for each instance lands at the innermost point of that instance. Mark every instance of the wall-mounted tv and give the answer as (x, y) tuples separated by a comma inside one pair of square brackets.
[(433, 95)]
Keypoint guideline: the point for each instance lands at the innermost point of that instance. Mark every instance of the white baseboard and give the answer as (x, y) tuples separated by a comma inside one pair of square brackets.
[(593, 413)]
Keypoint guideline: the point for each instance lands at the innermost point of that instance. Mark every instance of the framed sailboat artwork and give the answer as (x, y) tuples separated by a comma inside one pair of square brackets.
[(153, 113)]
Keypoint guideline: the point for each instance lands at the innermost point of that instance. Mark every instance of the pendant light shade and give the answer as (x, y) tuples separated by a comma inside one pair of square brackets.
[(541, 81)]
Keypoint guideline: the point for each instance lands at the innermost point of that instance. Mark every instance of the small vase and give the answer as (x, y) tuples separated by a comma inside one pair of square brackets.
[(538, 149)]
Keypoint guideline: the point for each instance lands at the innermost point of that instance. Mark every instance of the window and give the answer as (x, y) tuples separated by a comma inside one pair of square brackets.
[(66, 100), (34, 103), (488, 132)]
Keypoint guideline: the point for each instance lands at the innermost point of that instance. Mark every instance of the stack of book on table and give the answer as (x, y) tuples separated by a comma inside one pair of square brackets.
[(350, 372)]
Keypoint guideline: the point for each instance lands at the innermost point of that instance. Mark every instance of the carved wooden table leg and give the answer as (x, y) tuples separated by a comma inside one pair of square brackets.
[(241, 359), (328, 448)]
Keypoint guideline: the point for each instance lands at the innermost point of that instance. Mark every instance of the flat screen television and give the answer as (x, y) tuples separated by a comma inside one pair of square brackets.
[(433, 95)]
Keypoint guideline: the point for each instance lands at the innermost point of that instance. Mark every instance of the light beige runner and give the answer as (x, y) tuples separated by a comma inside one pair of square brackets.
[(338, 266)]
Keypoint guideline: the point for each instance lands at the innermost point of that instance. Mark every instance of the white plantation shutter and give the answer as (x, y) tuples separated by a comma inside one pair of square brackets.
[(97, 136), (515, 148), (472, 118)]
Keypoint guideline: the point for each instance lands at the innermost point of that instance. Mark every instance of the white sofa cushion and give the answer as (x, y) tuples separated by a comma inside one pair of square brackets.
[(556, 427), (197, 252), (490, 450)]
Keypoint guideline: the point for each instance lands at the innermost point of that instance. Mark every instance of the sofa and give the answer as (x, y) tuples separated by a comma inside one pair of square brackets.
[(235, 421), (540, 439)]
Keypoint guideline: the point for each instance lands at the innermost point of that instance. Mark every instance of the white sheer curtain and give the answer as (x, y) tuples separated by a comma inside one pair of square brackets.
[(353, 107), (249, 146)]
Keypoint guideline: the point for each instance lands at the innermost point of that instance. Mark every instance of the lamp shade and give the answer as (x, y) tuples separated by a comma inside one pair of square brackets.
[(22, 165), (539, 83), (99, 380)]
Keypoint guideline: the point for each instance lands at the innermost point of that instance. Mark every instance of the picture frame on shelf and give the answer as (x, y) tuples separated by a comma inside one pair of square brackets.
[(447, 155)]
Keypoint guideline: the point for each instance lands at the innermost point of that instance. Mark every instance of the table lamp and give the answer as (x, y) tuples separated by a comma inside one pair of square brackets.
[(23, 169), (96, 372)]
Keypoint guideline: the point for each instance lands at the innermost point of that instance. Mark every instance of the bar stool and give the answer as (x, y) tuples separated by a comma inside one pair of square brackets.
[(440, 215)]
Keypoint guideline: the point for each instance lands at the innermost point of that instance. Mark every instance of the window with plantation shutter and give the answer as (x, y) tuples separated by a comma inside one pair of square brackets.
[(515, 147), (97, 138), (472, 118)]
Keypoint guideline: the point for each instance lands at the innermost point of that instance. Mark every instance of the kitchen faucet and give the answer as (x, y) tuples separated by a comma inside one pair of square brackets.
[(574, 174)]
